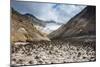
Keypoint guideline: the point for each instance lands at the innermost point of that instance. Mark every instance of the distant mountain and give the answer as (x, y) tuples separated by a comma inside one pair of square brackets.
[(41, 22), (36, 20), (58, 23), (23, 28), (44, 24), (51, 26), (82, 24)]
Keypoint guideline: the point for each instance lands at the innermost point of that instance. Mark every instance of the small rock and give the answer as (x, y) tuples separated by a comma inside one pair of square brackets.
[(79, 54), (36, 57), (30, 62)]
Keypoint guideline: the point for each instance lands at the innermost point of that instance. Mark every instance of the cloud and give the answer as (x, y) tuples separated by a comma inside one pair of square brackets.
[(65, 12)]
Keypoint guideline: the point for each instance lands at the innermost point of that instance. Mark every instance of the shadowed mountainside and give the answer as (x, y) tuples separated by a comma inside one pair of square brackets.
[(82, 24)]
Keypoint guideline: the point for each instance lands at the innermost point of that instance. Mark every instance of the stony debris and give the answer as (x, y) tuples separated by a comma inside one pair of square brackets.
[(51, 52)]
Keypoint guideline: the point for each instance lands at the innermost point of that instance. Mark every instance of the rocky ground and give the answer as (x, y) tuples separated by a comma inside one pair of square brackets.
[(51, 52)]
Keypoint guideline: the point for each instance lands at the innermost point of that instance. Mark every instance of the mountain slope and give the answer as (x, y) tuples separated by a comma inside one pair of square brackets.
[(23, 28), (82, 24)]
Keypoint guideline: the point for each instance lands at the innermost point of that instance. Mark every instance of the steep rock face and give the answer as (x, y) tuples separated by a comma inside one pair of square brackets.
[(23, 28), (83, 23)]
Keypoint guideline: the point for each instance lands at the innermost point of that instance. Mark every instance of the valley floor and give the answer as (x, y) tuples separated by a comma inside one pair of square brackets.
[(51, 52)]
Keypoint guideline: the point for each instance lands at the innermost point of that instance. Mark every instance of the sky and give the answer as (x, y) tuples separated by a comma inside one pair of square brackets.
[(60, 13)]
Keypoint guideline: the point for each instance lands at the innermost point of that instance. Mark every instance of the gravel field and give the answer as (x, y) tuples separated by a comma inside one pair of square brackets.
[(51, 52)]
